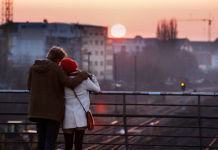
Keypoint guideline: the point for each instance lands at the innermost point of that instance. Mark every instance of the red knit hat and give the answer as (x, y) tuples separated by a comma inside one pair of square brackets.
[(69, 65)]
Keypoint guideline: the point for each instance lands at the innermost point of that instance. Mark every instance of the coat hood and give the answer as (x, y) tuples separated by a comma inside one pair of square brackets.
[(42, 66)]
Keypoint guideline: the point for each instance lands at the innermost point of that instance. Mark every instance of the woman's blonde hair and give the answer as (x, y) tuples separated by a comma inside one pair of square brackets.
[(56, 53)]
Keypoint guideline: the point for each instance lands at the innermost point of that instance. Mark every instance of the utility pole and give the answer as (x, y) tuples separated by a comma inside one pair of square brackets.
[(115, 79), (135, 72), (115, 68)]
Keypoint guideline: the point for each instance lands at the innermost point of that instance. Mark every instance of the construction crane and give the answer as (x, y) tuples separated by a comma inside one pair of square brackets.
[(205, 20), (7, 11)]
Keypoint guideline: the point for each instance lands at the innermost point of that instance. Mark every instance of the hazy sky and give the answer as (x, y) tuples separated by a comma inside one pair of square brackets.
[(140, 17)]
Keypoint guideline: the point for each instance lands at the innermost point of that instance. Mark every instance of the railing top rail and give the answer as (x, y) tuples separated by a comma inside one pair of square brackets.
[(136, 93), (14, 91)]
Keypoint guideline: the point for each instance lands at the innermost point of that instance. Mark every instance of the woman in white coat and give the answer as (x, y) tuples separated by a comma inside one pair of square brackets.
[(75, 122)]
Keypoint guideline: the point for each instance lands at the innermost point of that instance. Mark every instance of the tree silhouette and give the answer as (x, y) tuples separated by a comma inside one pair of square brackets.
[(167, 29)]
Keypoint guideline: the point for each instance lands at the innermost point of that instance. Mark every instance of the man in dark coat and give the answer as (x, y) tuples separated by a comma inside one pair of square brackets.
[(46, 82)]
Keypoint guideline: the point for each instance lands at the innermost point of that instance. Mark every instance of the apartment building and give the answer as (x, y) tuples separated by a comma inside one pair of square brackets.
[(94, 44), (28, 41), (130, 45)]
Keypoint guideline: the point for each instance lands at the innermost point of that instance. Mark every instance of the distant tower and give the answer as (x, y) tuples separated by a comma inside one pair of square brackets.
[(7, 11)]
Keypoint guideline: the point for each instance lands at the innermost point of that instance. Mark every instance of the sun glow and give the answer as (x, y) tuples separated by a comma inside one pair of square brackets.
[(118, 30)]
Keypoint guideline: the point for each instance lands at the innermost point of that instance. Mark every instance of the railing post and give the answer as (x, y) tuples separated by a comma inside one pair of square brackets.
[(199, 122), (124, 122)]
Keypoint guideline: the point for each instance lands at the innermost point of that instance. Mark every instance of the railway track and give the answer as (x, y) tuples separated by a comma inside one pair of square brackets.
[(133, 139), (120, 139), (213, 141)]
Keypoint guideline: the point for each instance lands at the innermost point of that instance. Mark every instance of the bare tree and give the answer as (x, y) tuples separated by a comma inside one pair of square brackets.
[(167, 29)]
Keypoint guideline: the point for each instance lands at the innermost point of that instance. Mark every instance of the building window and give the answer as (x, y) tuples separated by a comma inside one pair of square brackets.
[(90, 42), (101, 73), (85, 33), (96, 42), (96, 52), (62, 31), (102, 53), (96, 73), (85, 42), (110, 62), (137, 48), (102, 43), (51, 40), (102, 63), (96, 63), (123, 48), (72, 41), (62, 40)]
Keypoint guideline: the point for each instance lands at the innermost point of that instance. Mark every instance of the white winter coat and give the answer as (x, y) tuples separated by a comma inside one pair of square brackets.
[(74, 113)]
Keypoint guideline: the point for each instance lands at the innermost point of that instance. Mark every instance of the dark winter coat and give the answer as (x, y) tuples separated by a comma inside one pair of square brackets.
[(46, 83)]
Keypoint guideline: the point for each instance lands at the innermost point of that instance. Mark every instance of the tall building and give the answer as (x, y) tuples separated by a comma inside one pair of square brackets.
[(93, 46), (25, 42), (67, 36), (28, 41)]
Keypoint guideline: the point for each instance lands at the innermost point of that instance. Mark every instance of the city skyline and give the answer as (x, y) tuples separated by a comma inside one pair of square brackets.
[(139, 17)]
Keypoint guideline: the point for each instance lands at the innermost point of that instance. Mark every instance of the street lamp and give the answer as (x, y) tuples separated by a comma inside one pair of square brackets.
[(89, 53), (135, 78)]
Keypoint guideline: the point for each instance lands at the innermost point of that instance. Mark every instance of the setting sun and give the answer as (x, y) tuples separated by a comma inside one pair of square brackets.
[(118, 30)]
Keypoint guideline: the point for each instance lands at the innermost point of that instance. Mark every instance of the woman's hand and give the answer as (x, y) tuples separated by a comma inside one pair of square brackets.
[(100, 92)]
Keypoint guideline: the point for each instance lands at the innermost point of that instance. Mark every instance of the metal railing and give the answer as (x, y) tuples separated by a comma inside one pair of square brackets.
[(128, 139)]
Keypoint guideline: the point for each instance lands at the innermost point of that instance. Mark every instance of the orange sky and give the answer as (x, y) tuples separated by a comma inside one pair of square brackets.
[(140, 17)]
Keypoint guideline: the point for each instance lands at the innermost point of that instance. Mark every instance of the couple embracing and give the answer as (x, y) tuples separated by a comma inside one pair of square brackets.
[(53, 84)]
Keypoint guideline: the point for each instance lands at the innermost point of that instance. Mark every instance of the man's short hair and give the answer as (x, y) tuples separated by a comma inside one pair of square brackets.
[(56, 53)]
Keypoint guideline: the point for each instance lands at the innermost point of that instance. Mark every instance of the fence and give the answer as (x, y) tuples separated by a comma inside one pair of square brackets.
[(133, 125)]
